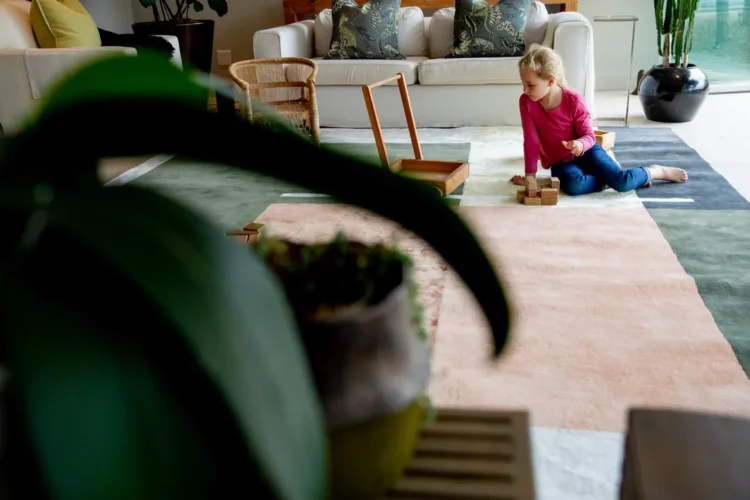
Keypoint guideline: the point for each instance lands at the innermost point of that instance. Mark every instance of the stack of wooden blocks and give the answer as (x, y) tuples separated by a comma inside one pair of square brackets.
[(545, 191)]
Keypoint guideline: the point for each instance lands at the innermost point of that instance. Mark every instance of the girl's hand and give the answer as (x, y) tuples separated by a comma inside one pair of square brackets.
[(575, 147), (518, 180)]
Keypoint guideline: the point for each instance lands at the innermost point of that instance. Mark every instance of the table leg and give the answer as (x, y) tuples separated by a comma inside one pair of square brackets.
[(630, 76)]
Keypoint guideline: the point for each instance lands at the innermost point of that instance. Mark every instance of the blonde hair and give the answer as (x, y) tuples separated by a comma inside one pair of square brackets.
[(545, 62)]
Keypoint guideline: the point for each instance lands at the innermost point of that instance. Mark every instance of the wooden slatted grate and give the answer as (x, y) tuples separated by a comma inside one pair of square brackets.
[(468, 454)]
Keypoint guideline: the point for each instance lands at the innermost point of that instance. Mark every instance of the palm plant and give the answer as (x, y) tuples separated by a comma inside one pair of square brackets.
[(179, 12), (197, 386), (675, 20)]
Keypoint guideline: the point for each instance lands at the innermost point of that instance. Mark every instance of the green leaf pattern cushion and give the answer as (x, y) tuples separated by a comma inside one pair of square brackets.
[(366, 32), (484, 30)]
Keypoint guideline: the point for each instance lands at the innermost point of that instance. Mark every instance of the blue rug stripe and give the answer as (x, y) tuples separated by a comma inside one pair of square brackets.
[(643, 146)]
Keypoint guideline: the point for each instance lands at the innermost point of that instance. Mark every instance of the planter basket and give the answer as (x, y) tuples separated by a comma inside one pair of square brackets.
[(370, 368)]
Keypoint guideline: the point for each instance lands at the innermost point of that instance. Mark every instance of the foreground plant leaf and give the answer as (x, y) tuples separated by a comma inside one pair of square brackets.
[(202, 389), (225, 314), (177, 123)]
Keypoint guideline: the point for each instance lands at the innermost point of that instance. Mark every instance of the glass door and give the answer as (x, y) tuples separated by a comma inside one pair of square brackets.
[(721, 43)]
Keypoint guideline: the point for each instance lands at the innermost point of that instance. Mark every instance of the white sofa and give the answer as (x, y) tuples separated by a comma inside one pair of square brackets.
[(444, 92), (27, 72)]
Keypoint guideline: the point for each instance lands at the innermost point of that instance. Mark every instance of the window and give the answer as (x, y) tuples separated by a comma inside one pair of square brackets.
[(721, 41)]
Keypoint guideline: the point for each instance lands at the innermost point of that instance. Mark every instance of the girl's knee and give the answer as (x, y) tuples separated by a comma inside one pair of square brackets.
[(572, 188)]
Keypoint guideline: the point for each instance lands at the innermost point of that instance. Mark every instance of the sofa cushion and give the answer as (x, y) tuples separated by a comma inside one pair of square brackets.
[(441, 32), (441, 28), (412, 38), (469, 71), (484, 30), (536, 24), (63, 24), (369, 31), (365, 72), (15, 26)]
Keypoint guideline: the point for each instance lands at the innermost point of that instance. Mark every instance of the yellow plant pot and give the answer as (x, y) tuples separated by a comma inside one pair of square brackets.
[(369, 457)]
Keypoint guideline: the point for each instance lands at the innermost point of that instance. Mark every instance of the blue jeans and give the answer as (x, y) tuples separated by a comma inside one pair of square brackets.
[(594, 169)]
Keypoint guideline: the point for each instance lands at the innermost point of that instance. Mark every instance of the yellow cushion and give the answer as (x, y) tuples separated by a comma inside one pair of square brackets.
[(61, 24)]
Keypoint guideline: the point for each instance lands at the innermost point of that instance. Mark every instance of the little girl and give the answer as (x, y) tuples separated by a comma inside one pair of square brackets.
[(557, 128)]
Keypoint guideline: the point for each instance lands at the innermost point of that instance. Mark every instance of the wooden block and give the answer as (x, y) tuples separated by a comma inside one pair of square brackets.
[(530, 200), (520, 195), (470, 454), (239, 238), (555, 182), (544, 182), (548, 193), (532, 184), (253, 226), (605, 139), (533, 193), (248, 234), (681, 455), (549, 201)]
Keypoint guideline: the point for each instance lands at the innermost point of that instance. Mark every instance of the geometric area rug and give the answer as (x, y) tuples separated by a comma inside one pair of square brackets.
[(618, 299)]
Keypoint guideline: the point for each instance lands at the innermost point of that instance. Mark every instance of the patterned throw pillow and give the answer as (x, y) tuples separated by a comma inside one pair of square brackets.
[(484, 30), (366, 32)]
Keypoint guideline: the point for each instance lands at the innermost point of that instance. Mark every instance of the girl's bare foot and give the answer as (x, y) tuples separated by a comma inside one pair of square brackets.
[(671, 174)]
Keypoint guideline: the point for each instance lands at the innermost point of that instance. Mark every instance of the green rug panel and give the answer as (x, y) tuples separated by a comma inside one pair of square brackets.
[(232, 198), (396, 151), (712, 246)]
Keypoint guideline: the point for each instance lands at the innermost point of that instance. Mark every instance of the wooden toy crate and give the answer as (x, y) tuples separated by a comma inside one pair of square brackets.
[(605, 139), (445, 176), (470, 454)]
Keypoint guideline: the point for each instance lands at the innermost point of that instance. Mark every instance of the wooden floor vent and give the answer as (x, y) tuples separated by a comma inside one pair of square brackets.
[(470, 455)]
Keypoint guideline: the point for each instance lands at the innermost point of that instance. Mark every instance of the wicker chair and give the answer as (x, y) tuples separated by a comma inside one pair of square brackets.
[(285, 85)]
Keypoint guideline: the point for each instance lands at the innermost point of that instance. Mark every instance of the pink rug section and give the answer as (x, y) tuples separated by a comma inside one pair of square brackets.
[(605, 318), (320, 222)]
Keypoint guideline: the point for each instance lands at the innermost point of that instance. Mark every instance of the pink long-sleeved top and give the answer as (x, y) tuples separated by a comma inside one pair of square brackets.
[(545, 130)]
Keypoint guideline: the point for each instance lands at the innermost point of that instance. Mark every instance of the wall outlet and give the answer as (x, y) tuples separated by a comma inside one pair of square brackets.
[(224, 57)]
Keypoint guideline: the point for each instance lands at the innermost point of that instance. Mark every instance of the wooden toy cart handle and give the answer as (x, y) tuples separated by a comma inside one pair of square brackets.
[(375, 121)]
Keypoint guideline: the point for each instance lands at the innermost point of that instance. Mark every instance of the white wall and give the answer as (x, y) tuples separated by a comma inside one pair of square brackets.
[(111, 15), (612, 40), (235, 30)]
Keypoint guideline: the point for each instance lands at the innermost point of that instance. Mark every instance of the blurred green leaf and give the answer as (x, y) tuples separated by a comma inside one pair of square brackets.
[(215, 304), (272, 151), (223, 328)]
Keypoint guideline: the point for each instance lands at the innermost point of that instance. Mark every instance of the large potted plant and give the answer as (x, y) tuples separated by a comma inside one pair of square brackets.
[(200, 388), (359, 316), (196, 36), (674, 91)]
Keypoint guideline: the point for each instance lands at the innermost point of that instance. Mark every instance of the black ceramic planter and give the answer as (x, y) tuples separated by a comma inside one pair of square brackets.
[(196, 39), (673, 95)]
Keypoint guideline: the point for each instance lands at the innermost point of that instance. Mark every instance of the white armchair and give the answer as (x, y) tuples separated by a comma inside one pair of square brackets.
[(27, 72)]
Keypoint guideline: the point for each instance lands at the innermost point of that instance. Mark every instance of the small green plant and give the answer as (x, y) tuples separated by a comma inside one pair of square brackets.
[(180, 10), (325, 278), (675, 21)]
